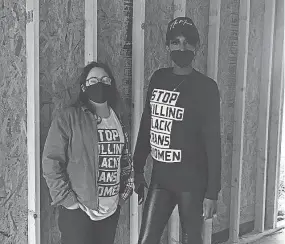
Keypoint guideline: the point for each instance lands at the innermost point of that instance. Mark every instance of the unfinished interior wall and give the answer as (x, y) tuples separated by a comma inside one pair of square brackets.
[(13, 147), (226, 82), (157, 15), (112, 28), (252, 111), (198, 10), (61, 58)]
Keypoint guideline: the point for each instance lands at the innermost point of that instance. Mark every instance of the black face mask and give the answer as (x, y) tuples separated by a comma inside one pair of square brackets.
[(182, 58), (98, 93)]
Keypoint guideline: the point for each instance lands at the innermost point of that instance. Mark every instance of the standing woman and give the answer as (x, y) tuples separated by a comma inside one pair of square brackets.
[(180, 128), (86, 161)]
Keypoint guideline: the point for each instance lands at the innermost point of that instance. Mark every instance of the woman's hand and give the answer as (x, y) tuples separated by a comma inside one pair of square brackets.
[(209, 208), (73, 206), (140, 184), (121, 202)]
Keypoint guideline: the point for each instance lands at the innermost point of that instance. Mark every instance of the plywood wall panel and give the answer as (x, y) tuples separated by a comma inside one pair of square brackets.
[(198, 11), (62, 57), (13, 111), (61, 60), (251, 110), (111, 39), (227, 82), (157, 15)]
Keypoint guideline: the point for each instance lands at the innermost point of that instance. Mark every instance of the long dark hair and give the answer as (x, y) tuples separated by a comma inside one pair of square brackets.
[(113, 98)]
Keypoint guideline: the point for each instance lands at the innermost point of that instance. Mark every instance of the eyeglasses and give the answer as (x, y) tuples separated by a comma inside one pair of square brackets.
[(94, 80)]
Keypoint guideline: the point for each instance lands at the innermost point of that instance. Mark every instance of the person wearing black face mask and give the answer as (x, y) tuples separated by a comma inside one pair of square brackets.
[(180, 128), (86, 161)]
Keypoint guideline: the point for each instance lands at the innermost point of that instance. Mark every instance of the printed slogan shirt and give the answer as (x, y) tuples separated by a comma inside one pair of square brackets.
[(180, 128), (111, 143)]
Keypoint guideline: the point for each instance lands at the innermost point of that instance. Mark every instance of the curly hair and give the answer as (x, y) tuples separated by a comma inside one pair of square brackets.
[(113, 98)]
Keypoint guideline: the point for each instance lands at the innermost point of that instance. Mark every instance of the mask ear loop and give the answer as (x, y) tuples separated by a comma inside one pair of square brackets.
[(97, 117)]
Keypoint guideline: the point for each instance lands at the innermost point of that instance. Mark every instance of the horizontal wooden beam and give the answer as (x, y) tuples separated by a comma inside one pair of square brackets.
[(253, 237)]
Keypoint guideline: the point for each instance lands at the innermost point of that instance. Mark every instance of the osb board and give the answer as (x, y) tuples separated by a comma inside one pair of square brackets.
[(111, 40), (157, 15), (13, 147), (61, 58), (226, 82), (252, 110), (198, 11)]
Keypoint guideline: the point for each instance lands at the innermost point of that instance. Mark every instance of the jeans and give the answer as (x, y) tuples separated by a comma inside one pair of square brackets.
[(77, 228)]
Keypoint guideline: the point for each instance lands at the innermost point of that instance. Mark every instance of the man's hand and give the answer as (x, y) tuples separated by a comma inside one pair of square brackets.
[(140, 184), (73, 206), (209, 208)]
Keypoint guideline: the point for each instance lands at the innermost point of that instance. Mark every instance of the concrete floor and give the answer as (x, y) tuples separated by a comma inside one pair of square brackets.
[(276, 238)]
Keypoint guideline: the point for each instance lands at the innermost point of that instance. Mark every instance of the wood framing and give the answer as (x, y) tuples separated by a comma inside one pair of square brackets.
[(90, 45), (207, 231), (179, 8), (254, 237), (174, 227), (213, 39), (241, 79), (33, 120), (138, 101), (263, 120), (277, 86)]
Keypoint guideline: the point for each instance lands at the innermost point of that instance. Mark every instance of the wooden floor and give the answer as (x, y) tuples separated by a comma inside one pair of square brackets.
[(276, 238)]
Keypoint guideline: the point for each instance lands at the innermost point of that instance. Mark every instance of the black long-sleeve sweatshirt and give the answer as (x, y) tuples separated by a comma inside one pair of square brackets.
[(180, 127)]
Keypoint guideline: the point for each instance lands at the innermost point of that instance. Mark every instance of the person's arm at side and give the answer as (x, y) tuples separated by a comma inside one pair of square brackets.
[(212, 136), (127, 173), (142, 148), (54, 164)]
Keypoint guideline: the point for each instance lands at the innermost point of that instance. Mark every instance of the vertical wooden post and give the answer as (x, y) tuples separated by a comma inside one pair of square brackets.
[(213, 39), (179, 8), (174, 223), (244, 16), (138, 101), (207, 231), (263, 120), (212, 71), (90, 41), (277, 87), (33, 120)]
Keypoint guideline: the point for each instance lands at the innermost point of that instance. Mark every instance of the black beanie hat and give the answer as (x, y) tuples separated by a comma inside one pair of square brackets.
[(182, 26)]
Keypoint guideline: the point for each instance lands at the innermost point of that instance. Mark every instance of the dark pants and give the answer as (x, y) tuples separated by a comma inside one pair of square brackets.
[(77, 228), (158, 208)]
